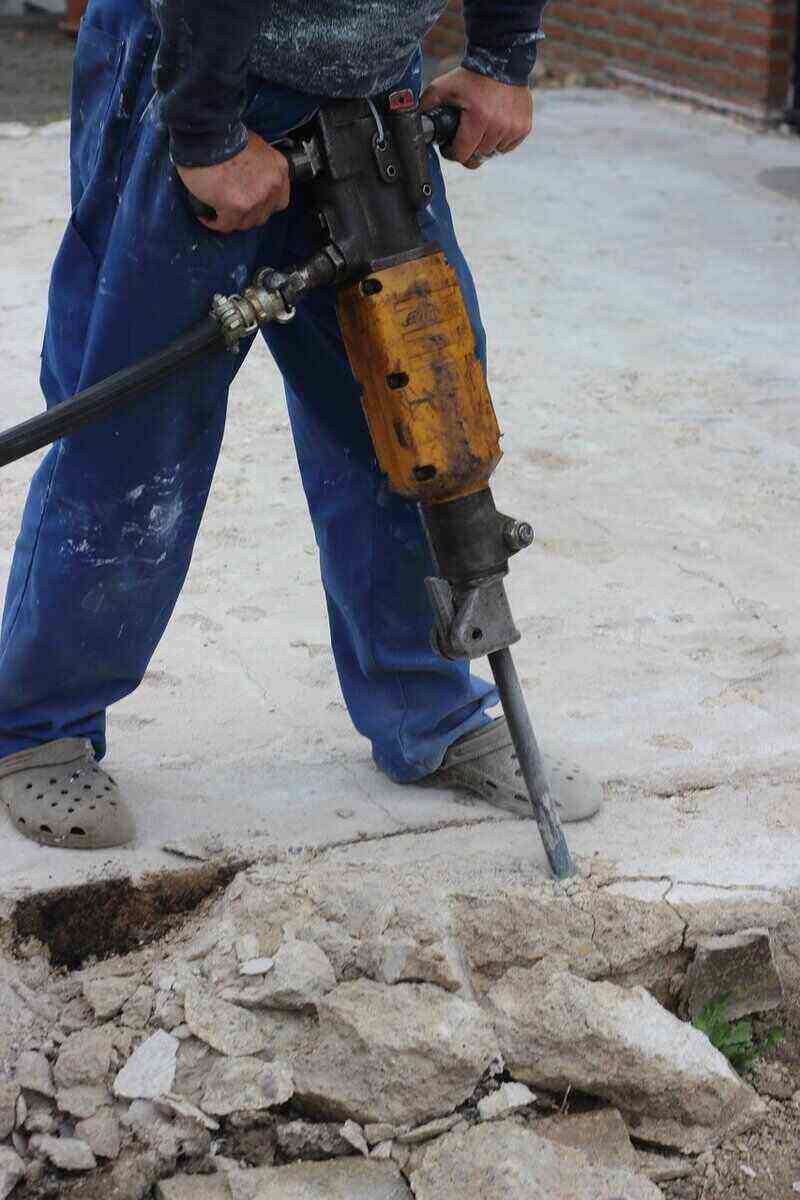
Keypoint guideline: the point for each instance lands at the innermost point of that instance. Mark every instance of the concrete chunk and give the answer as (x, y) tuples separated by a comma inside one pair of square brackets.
[(667, 1079), (84, 1057), (107, 996), (225, 1027), (601, 1136), (345, 1179), (68, 1153), (507, 1098), (33, 1073), (506, 1158), (311, 1140), (300, 976), (402, 1054), (246, 1085), (9, 1092), (84, 1100), (12, 1168), (741, 965), (194, 1187), (101, 1134), (150, 1071)]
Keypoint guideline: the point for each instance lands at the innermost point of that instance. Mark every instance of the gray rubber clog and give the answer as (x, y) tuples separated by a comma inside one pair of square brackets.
[(57, 795), (485, 763)]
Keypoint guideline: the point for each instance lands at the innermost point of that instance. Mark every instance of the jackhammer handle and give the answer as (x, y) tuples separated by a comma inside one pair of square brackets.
[(441, 124), (300, 171)]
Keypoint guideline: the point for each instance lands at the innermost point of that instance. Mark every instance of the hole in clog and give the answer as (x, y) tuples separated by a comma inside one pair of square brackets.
[(45, 829), (77, 831), (28, 787)]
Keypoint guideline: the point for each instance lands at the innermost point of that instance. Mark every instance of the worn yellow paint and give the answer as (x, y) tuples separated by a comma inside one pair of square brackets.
[(412, 350)]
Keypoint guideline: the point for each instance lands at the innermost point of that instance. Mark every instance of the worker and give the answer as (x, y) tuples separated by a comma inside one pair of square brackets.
[(189, 96)]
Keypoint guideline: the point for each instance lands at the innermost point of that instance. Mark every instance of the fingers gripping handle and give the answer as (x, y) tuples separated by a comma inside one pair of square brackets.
[(440, 125), (302, 167)]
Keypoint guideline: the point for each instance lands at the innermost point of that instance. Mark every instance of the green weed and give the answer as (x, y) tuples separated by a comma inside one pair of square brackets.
[(734, 1039)]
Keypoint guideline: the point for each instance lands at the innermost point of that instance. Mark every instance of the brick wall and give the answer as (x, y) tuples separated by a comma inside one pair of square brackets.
[(739, 54)]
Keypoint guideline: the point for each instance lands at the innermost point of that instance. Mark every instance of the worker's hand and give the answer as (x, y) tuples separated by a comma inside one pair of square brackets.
[(245, 190), (496, 117)]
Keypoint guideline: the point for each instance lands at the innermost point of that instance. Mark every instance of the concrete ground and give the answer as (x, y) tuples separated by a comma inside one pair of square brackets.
[(638, 267)]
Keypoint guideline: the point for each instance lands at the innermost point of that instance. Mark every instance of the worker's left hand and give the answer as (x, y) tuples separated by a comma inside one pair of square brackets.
[(496, 117)]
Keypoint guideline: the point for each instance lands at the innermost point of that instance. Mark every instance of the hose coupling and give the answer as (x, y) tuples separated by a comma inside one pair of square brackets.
[(242, 315)]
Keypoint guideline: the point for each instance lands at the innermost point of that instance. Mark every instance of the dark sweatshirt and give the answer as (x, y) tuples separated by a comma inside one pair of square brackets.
[(321, 47)]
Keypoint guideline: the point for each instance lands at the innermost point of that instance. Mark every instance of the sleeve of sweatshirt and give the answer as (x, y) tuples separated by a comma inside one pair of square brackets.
[(503, 37), (201, 72)]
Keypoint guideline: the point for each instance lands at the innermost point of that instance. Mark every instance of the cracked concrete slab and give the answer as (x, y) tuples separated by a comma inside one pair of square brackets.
[(646, 377)]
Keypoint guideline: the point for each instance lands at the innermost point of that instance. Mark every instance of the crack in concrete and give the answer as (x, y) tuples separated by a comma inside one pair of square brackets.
[(665, 899)]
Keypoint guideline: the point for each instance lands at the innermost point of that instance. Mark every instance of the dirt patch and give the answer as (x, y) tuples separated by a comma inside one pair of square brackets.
[(762, 1165), (113, 916), (35, 70)]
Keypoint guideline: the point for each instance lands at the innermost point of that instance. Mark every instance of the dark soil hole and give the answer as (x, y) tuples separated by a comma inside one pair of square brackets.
[(114, 916)]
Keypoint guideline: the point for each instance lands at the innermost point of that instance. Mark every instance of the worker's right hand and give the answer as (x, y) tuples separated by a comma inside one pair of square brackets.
[(244, 190)]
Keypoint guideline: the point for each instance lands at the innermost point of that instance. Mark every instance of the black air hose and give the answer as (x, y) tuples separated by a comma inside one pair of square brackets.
[(101, 398)]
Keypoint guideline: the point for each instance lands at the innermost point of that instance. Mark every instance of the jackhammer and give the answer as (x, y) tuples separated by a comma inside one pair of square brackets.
[(412, 350)]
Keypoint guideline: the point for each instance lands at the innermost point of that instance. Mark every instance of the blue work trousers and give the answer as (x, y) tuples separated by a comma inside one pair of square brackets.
[(113, 510)]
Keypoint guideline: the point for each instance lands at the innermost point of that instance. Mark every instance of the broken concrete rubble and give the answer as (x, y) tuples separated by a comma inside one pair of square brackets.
[(12, 1169), (246, 1085), (354, 1179), (9, 1093), (601, 1136), (107, 995), (194, 1187), (223, 1026), (508, 1159), (353, 1134), (300, 976), (508, 1098), (167, 1137), (83, 1100), (557, 1031), (33, 1073), (313, 1140), (738, 965), (68, 1153), (101, 1134), (396, 1054), (84, 1057), (150, 1071), (402, 1065)]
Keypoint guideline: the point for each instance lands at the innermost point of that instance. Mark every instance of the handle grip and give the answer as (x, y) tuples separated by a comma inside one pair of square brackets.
[(440, 125), (301, 168)]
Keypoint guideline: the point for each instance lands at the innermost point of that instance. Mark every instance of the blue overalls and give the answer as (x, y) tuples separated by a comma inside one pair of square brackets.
[(113, 511)]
